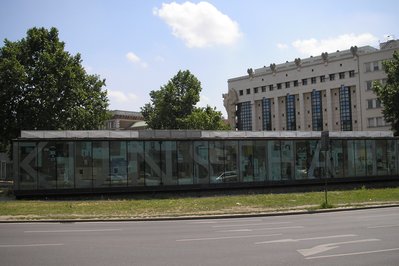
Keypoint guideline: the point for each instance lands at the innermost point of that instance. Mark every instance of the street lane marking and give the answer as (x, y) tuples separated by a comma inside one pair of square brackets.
[(352, 254), (260, 229), (240, 225), (72, 231), (383, 226), (29, 245), (223, 237), (227, 221), (287, 240), (325, 247)]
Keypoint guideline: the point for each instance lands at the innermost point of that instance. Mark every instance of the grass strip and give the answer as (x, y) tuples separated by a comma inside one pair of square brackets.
[(190, 206)]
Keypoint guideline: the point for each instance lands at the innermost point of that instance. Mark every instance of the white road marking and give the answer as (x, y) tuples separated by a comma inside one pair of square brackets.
[(227, 221), (287, 240), (383, 226), (260, 229), (29, 245), (72, 231), (223, 237), (352, 254), (325, 247), (238, 225)]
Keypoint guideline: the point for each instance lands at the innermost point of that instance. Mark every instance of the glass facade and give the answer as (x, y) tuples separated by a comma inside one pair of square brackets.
[(345, 108), (291, 113), (91, 164), (244, 116), (267, 114), (317, 111)]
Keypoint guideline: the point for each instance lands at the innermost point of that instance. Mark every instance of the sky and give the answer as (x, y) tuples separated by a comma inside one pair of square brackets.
[(138, 46)]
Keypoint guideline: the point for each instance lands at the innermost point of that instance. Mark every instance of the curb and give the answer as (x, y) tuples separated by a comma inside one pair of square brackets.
[(205, 217)]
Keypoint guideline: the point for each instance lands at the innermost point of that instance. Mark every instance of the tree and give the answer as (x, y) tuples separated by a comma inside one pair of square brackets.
[(43, 87), (206, 119), (388, 94), (173, 106)]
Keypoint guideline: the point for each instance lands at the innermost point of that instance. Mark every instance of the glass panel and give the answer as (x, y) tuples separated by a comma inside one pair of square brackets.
[(231, 162), (360, 157), (152, 163), (371, 164), (27, 165), (136, 165), (101, 164), (246, 161), (337, 158), (316, 160), (185, 162), (46, 165), (351, 155), (65, 165), (201, 162), (391, 154), (287, 160), (381, 156), (260, 160), (84, 164), (169, 163), (274, 160), (302, 159), (118, 159), (216, 159)]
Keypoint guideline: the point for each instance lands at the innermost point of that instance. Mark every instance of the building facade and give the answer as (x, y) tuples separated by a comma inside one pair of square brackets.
[(330, 92), (122, 120), (68, 162)]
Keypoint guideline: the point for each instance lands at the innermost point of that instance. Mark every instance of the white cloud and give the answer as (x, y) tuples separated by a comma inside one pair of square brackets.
[(132, 57), (199, 25), (204, 101), (121, 97), (343, 42), (282, 46)]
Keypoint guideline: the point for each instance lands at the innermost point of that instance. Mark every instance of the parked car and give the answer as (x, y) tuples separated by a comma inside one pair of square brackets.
[(228, 176)]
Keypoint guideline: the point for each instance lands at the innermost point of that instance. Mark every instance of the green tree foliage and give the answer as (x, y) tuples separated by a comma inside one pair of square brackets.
[(388, 94), (43, 87), (206, 119), (173, 106)]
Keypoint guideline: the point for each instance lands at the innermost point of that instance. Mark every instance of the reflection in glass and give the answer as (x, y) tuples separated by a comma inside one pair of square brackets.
[(27, 165), (247, 160), (136, 167), (391, 157), (231, 162), (381, 157), (101, 163), (287, 160), (65, 164), (169, 162), (274, 153), (185, 162), (216, 159), (260, 160), (84, 164), (46, 165), (153, 163), (118, 163), (371, 164), (201, 162)]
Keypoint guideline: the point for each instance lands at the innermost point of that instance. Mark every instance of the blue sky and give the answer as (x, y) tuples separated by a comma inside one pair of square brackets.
[(137, 46)]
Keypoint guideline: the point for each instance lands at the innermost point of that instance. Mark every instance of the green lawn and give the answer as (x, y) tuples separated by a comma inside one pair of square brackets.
[(217, 205)]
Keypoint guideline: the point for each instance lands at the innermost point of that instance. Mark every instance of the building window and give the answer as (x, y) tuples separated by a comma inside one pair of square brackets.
[(317, 116), (295, 83), (244, 116), (332, 77), (279, 86), (341, 75), (352, 73), (270, 87), (256, 90), (290, 109), (369, 104), (248, 91), (287, 84), (267, 114), (378, 103), (322, 79), (304, 82), (313, 80), (369, 85), (263, 88), (241, 92), (376, 66), (345, 108), (373, 103)]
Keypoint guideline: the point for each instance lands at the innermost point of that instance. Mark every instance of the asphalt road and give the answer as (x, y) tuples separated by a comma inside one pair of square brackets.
[(362, 237)]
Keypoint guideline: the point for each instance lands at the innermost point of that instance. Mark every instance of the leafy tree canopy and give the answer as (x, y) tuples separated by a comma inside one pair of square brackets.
[(43, 87), (173, 106), (388, 94)]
